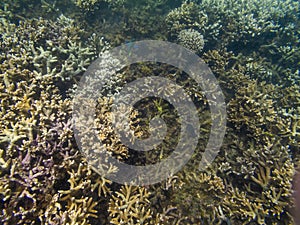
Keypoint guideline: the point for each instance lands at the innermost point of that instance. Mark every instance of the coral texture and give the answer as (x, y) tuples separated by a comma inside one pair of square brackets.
[(253, 49), (191, 39)]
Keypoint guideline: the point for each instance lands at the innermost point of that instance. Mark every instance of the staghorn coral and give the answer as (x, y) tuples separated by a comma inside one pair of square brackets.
[(256, 159), (82, 196), (46, 48), (197, 198), (238, 25), (130, 206), (252, 48), (31, 176), (37, 144), (261, 176)]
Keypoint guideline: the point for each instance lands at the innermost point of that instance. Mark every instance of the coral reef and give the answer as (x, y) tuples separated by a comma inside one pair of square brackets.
[(191, 39), (130, 206), (40, 60), (91, 5), (252, 47), (188, 16), (254, 29), (259, 150)]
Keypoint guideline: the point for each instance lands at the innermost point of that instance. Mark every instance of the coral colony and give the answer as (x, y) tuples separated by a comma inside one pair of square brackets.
[(253, 49)]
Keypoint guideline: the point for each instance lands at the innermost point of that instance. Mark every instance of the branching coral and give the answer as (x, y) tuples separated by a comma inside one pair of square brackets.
[(198, 197), (46, 48), (130, 206), (251, 46), (79, 199), (91, 5), (252, 157), (187, 16), (239, 25), (37, 144)]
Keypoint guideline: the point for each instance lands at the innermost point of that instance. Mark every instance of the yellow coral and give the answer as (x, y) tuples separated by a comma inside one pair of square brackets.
[(130, 206)]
